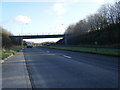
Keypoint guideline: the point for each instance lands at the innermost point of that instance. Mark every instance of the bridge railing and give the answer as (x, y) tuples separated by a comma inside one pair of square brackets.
[(26, 34)]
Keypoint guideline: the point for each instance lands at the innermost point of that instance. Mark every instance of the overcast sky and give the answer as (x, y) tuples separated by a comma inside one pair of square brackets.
[(45, 17)]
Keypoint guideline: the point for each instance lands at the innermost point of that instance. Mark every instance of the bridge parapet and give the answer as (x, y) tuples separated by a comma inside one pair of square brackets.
[(27, 34), (39, 36)]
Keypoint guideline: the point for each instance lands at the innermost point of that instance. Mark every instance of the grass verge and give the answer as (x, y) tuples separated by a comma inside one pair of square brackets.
[(7, 52), (102, 51)]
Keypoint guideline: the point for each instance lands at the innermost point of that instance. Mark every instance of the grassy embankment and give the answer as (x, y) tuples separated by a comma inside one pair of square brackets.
[(7, 52), (104, 49)]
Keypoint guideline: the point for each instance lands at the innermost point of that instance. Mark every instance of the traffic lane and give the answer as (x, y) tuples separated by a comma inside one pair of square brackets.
[(54, 71), (106, 62)]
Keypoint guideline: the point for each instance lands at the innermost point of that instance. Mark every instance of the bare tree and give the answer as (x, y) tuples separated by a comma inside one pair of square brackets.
[(107, 15), (103, 14), (117, 11)]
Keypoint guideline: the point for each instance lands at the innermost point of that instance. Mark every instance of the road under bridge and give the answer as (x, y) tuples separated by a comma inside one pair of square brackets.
[(19, 38)]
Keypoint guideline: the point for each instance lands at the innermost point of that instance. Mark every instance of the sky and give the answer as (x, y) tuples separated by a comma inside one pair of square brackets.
[(45, 17)]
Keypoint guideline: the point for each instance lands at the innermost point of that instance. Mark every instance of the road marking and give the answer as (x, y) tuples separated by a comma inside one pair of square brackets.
[(67, 56), (48, 51)]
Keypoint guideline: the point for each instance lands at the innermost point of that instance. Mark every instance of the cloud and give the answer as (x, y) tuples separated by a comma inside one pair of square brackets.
[(23, 19), (60, 28), (97, 1), (84, 1), (67, 1), (59, 9)]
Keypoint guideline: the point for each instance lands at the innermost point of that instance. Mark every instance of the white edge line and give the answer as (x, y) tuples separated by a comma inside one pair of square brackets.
[(67, 56)]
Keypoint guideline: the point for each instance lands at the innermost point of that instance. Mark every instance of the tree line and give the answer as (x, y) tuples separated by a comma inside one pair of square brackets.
[(7, 41), (103, 27)]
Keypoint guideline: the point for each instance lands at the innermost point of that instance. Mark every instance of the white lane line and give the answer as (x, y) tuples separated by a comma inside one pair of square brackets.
[(48, 51), (67, 56)]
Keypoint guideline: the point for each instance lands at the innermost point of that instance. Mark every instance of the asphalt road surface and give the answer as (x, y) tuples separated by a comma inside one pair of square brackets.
[(51, 68)]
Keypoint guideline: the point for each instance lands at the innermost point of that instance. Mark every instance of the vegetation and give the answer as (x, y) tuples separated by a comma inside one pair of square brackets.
[(7, 52), (97, 33), (95, 50), (102, 27), (8, 44), (7, 41)]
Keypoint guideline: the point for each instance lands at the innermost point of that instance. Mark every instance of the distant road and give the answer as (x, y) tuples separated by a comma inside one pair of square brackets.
[(51, 68)]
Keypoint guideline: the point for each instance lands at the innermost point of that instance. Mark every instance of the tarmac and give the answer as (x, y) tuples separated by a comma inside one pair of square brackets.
[(14, 73)]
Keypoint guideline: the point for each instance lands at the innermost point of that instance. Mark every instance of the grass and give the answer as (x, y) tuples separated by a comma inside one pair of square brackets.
[(103, 51), (0, 54), (7, 52)]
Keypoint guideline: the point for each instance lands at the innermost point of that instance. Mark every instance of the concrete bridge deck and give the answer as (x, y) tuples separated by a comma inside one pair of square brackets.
[(39, 36)]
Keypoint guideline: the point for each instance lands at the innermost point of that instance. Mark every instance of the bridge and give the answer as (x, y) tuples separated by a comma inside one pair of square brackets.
[(38, 36), (19, 38)]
